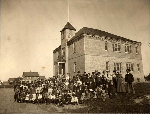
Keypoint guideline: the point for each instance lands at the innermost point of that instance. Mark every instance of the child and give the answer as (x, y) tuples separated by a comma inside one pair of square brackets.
[(40, 98), (83, 97), (48, 100), (27, 98), (99, 91), (53, 98), (68, 98), (74, 99), (103, 95), (60, 100), (33, 100)]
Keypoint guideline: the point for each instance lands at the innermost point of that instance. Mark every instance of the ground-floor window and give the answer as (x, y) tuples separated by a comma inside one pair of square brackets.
[(74, 67), (107, 65), (129, 66), (117, 67), (138, 66)]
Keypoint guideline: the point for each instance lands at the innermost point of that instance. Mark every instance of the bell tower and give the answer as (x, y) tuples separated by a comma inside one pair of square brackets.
[(66, 34)]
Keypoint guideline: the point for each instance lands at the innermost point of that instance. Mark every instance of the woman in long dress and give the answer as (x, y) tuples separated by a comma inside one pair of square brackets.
[(120, 83)]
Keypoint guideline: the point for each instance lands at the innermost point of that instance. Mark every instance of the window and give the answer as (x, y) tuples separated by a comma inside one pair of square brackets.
[(129, 66), (119, 47), (63, 52), (138, 66), (57, 55), (74, 67), (116, 47), (117, 67), (106, 45), (136, 50), (127, 48), (74, 48), (107, 65)]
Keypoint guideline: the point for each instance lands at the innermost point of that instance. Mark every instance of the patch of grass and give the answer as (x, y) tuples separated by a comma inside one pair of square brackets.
[(121, 103)]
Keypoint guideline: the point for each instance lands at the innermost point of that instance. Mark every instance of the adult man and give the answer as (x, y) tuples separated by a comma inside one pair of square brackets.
[(129, 79)]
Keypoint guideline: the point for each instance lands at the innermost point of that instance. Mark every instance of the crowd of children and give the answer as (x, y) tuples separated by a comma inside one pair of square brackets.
[(62, 90)]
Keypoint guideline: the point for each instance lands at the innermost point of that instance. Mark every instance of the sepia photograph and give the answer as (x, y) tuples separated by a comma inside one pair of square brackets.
[(74, 56)]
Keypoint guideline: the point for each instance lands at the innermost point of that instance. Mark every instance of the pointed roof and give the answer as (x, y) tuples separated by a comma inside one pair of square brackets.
[(68, 26), (30, 74)]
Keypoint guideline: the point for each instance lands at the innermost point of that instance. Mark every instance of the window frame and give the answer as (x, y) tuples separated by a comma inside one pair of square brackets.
[(118, 66), (128, 48), (138, 67), (63, 52), (106, 46), (107, 65), (136, 50), (116, 47), (74, 67), (130, 66)]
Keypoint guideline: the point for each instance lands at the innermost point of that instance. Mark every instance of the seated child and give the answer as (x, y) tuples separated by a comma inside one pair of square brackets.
[(83, 97), (22, 97), (48, 100), (60, 100), (33, 99), (103, 95), (99, 91), (68, 101), (27, 98), (53, 98), (40, 98), (74, 99)]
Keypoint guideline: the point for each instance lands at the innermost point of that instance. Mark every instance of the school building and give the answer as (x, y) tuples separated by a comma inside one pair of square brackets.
[(91, 49)]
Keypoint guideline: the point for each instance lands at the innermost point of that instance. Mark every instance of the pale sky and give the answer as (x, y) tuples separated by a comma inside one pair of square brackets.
[(30, 29)]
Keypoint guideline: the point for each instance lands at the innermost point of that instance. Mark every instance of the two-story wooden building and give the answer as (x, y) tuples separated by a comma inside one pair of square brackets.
[(92, 49), (29, 77)]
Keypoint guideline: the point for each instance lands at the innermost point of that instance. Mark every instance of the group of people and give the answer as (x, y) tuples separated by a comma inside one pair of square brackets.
[(62, 90)]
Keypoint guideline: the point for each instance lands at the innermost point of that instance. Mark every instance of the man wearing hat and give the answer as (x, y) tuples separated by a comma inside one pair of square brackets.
[(129, 79)]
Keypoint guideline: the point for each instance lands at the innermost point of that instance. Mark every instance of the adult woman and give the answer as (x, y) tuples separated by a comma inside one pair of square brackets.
[(120, 83)]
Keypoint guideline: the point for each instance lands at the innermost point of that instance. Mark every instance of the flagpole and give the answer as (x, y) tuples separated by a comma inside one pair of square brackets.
[(68, 10)]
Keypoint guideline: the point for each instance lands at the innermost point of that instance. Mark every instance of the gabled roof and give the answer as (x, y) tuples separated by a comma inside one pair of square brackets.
[(57, 49), (11, 79), (68, 26), (5, 83), (91, 31), (29, 74)]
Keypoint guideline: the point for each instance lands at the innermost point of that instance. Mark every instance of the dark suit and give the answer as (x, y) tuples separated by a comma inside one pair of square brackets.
[(129, 79)]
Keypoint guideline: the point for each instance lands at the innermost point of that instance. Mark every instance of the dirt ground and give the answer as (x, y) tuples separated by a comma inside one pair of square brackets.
[(125, 103), (7, 105)]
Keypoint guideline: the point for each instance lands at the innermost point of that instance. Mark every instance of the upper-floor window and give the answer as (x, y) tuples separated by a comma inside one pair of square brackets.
[(57, 55), (74, 47), (127, 48), (116, 47), (63, 52), (138, 66), (129, 66), (136, 50), (106, 45), (117, 67)]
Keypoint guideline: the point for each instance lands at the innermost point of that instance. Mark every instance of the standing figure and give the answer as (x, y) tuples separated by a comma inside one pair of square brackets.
[(114, 81), (120, 83), (129, 79)]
